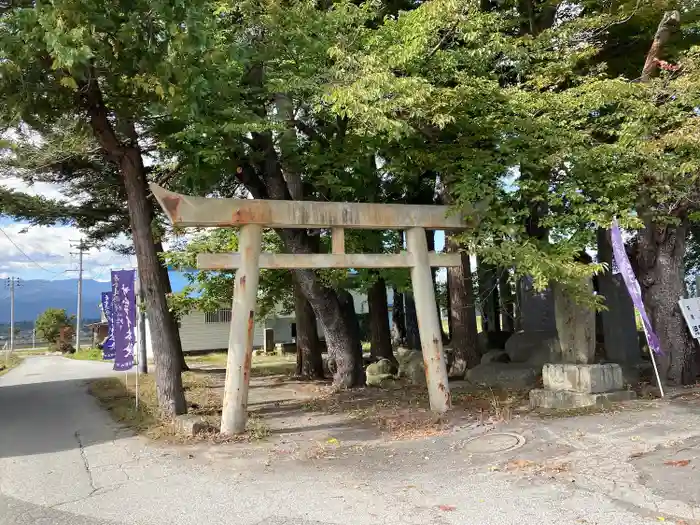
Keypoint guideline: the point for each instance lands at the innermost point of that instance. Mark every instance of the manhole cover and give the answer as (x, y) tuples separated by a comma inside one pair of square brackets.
[(497, 442)]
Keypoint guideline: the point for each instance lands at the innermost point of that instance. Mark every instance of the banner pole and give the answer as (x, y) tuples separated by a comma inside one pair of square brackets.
[(136, 360), (653, 362), (625, 269)]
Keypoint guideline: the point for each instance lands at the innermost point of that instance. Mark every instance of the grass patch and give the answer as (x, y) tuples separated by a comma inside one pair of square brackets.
[(119, 400), (202, 396), (262, 366), (87, 354), (8, 364)]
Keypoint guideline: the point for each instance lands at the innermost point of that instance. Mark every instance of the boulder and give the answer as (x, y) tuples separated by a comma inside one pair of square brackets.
[(534, 348), (383, 366), (495, 356), (505, 375), (402, 353), (380, 372), (411, 367)]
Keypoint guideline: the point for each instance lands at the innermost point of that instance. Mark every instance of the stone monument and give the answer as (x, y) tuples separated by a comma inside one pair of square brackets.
[(575, 381), (536, 307)]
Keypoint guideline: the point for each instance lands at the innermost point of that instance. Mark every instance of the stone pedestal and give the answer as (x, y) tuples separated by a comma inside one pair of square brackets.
[(568, 385)]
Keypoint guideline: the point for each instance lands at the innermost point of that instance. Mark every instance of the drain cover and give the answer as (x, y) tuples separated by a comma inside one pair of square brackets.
[(491, 443)]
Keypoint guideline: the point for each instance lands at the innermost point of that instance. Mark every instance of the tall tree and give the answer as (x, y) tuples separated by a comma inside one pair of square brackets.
[(94, 195), (463, 330), (67, 60), (380, 335)]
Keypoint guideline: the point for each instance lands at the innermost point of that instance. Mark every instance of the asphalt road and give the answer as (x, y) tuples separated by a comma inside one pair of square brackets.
[(62, 460)]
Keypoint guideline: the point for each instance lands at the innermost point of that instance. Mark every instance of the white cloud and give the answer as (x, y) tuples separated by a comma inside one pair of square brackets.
[(46, 253), (47, 250), (43, 189)]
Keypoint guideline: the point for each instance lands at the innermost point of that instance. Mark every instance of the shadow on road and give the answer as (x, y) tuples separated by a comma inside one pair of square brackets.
[(45, 417)]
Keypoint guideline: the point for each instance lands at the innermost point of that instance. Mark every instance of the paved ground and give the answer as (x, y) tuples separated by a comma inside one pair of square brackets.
[(62, 460)]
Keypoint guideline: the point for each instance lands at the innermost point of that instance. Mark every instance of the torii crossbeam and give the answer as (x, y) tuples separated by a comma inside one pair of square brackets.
[(252, 215)]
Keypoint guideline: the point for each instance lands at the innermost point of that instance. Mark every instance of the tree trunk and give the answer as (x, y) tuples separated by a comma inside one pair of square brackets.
[(670, 23), (465, 348), (168, 290), (380, 336), (171, 398), (309, 358), (430, 238), (342, 339), (507, 301), (412, 332), (488, 297), (659, 258), (449, 311), (398, 319), (349, 361)]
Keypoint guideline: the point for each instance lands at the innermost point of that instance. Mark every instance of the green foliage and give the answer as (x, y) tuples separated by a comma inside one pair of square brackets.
[(523, 115), (209, 290), (50, 323)]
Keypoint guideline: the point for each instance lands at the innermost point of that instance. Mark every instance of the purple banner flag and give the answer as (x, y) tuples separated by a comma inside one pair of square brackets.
[(108, 345), (625, 268), (124, 318)]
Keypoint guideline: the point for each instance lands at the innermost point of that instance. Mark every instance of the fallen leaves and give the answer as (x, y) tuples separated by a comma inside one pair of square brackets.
[(447, 508), (677, 463), (538, 468), (517, 464)]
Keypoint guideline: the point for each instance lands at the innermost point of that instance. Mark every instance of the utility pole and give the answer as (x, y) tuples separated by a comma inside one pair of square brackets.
[(79, 312), (12, 282)]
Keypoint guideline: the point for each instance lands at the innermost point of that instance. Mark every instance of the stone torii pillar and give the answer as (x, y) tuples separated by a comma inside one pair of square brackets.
[(253, 215)]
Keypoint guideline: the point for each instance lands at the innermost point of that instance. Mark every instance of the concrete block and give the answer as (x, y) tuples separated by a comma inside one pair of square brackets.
[(190, 425), (563, 399), (285, 348), (582, 378)]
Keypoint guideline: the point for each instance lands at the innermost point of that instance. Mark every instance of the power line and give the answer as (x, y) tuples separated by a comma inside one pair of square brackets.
[(25, 254)]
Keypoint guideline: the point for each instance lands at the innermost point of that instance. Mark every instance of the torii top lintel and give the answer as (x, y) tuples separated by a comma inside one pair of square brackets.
[(184, 210)]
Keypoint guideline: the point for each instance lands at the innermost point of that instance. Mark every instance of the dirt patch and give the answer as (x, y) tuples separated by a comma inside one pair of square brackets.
[(403, 412), (284, 409)]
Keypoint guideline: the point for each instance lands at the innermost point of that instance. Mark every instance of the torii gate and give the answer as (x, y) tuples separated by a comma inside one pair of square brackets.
[(253, 215)]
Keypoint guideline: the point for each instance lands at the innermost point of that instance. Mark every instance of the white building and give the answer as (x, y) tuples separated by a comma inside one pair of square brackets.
[(209, 331)]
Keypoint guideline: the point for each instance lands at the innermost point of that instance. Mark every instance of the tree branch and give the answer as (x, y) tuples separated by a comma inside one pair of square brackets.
[(670, 22), (93, 102)]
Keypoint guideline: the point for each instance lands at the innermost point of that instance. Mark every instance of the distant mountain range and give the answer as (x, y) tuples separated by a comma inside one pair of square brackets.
[(32, 297)]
